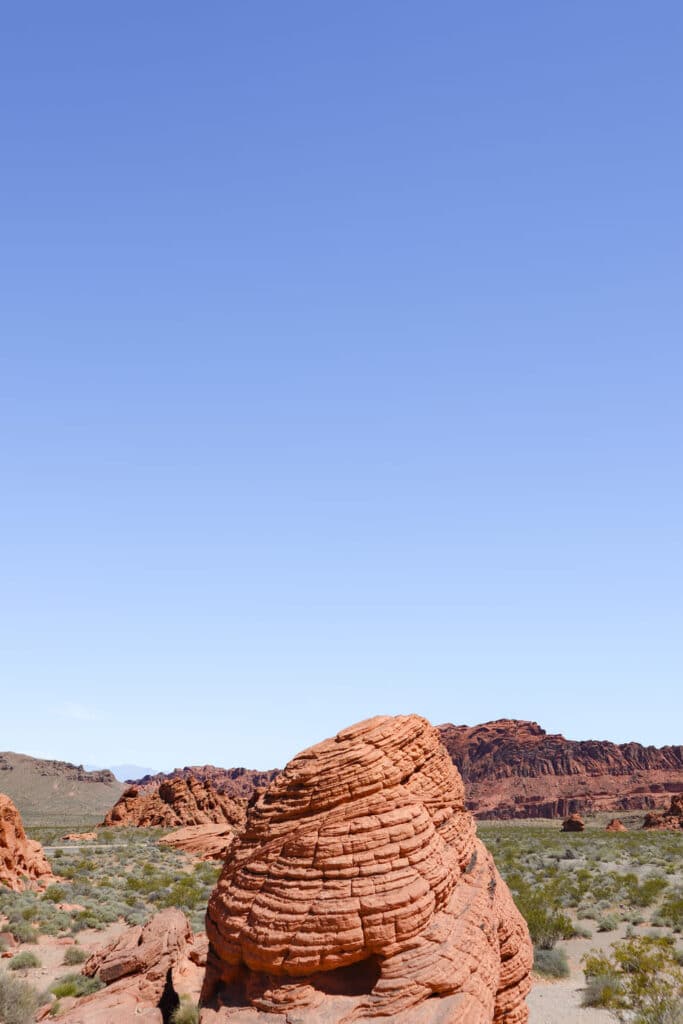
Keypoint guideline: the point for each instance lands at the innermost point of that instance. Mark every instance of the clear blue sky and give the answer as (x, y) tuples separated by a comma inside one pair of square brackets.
[(341, 372)]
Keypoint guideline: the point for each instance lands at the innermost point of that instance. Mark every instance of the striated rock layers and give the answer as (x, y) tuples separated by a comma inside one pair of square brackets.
[(23, 864), (180, 802), (514, 769), (672, 819), (238, 783), (207, 842), (359, 891), (146, 970)]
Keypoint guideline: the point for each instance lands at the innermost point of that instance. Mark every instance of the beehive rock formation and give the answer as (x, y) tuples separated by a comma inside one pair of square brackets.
[(23, 864), (615, 826), (146, 971), (175, 803), (359, 891)]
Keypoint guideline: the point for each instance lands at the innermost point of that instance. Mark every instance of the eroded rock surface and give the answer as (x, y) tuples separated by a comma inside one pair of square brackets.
[(574, 823), (615, 825), (514, 769), (147, 970), (672, 819), (238, 783), (359, 891), (179, 802), (23, 865), (207, 842)]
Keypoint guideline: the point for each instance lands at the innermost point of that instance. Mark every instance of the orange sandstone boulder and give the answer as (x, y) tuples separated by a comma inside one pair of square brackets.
[(615, 826), (23, 864), (574, 823), (79, 837), (146, 971), (359, 891), (207, 842), (179, 802), (672, 819)]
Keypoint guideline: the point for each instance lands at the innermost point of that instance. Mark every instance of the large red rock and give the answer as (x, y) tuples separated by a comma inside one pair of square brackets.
[(174, 803), (23, 865), (615, 825), (360, 891), (514, 769), (238, 783), (672, 819), (146, 971), (574, 823), (207, 842)]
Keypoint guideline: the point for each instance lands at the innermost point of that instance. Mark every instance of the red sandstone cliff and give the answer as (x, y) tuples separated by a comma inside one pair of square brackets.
[(237, 783), (23, 864), (514, 769)]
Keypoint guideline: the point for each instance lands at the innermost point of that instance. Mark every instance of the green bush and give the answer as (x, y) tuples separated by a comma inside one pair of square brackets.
[(552, 963), (642, 979), (54, 893), (75, 985), (74, 955), (22, 931), (18, 1000), (185, 1013), (23, 960)]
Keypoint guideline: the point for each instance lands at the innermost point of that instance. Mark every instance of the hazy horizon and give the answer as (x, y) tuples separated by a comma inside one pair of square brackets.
[(340, 374)]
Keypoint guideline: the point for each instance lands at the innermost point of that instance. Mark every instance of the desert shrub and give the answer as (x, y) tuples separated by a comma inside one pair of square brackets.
[(546, 923), (581, 932), (54, 893), (608, 922), (641, 982), (23, 960), (185, 1013), (18, 1000), (670, 913), (74, 955), (551, 962), (75, 985), (22, 931)]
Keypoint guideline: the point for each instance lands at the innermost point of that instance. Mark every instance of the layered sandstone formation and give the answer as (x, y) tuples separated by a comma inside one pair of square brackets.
[(238, 783), (147, 971), (23, 864), (514, 769), (672, 819), (207, 842), (179, 802), (359, 891)]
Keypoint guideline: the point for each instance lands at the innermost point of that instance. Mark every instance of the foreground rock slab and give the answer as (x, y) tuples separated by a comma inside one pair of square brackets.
[(359, 891), (146, 971), (23, 865)]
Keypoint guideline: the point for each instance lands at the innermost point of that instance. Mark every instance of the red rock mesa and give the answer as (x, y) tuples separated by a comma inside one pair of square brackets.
[(23, 864), (514, 769), (359, 891)]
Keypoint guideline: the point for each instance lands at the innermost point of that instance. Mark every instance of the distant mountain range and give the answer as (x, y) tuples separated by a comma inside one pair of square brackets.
[(56, 792)]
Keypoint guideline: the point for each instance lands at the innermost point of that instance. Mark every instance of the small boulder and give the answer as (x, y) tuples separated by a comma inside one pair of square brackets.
[(574, 823), (615, 826)]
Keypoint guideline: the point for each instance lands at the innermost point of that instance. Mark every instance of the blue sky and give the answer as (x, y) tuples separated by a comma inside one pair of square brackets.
[(340, 373)]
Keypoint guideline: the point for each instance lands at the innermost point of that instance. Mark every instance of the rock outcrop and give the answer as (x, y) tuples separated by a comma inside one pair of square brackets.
[(175, 803), (23, 865), (146, 971), (574, 823), (671, 819), (207, 842), (514, 769), (359, 891), (615, 826), (238, 783)]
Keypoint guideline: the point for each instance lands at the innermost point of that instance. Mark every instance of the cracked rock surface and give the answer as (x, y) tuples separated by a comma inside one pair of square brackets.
[(359, 891)]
